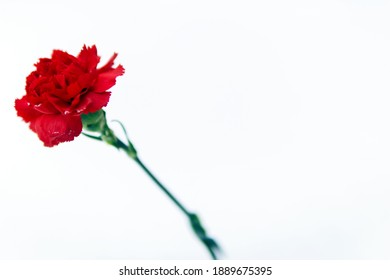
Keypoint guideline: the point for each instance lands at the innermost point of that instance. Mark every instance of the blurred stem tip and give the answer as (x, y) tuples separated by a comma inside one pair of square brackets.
[(97, 123)]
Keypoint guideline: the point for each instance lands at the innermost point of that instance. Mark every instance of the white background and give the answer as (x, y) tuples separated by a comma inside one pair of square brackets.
[(269, 118)]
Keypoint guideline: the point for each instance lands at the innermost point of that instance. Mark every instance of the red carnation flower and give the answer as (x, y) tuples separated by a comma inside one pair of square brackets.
[(61, 89)]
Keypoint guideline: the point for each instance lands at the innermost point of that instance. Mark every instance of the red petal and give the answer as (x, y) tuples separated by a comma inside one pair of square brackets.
[(55, 129), (44, 66), (59, 104), (73, 89), (61, 61), (46, 108), (60, 79), (106, 80), (25, 110), (93, 101), (108, 65), (88, 58)]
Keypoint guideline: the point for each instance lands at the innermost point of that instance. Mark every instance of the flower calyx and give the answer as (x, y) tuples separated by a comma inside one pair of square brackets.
[(97, 123)]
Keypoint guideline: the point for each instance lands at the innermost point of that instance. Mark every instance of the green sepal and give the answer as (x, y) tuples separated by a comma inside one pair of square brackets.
[(99, 138), (130, 150), (109, 137), (94, 122)]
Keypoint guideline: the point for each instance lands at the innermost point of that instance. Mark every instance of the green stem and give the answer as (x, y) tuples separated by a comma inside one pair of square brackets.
[(162, 187), (194, 220), (96, 122), (191, 216)]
